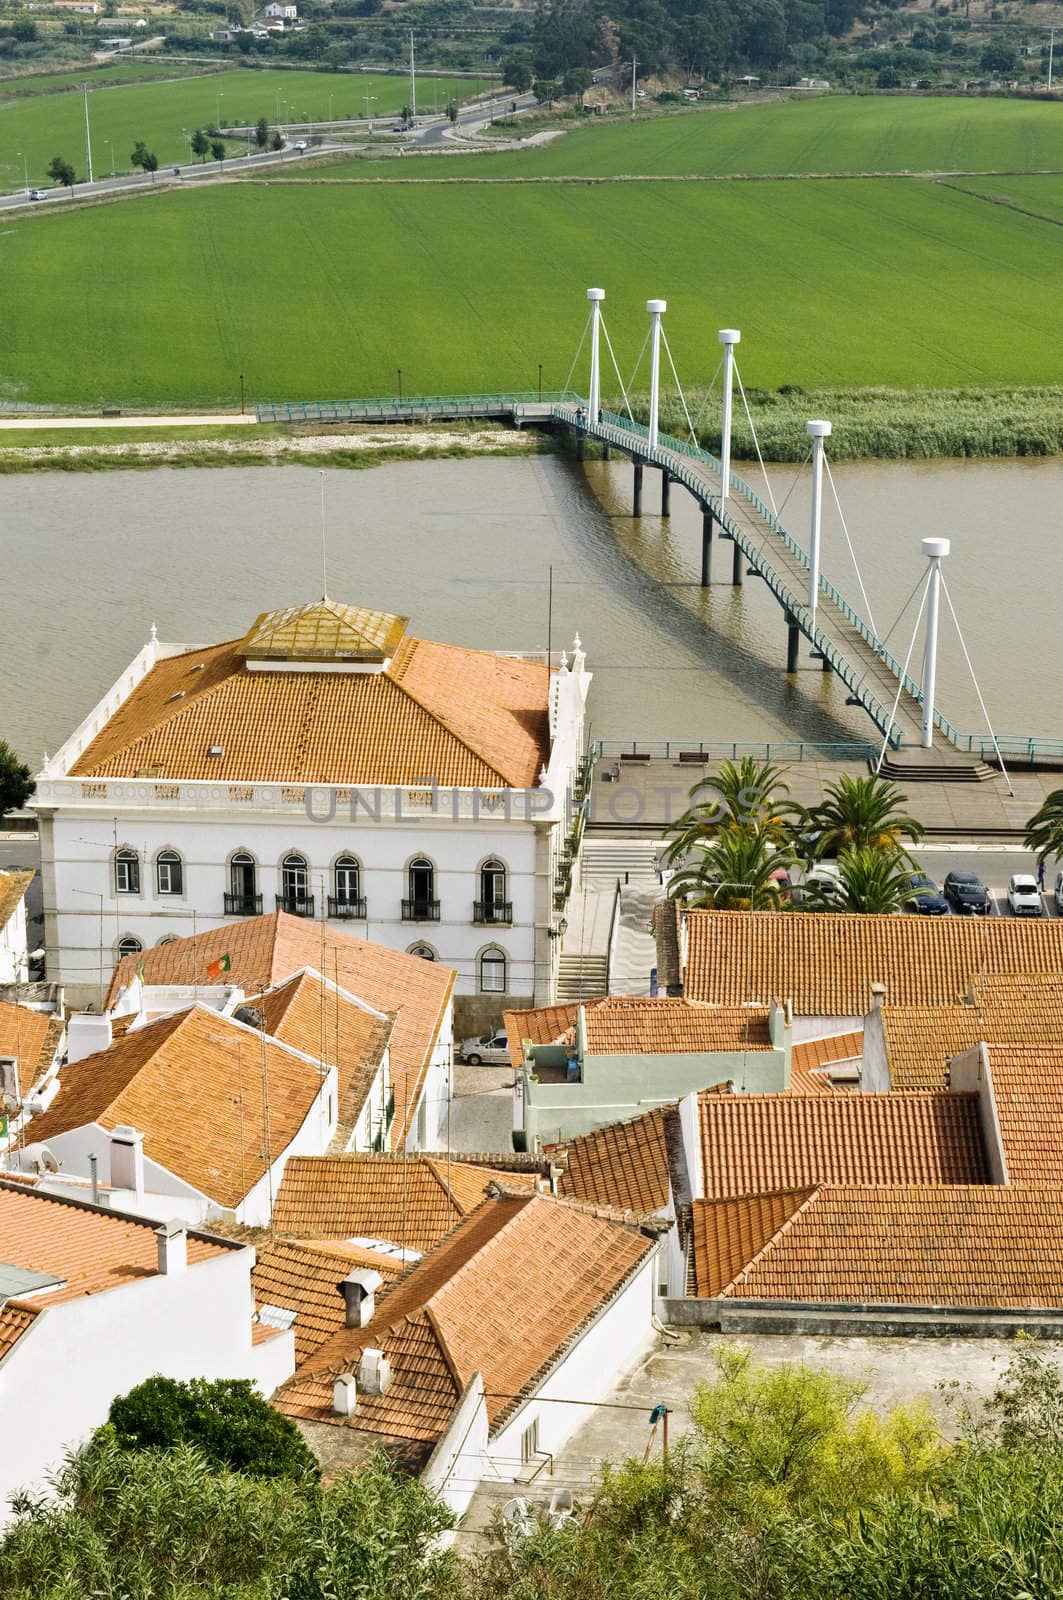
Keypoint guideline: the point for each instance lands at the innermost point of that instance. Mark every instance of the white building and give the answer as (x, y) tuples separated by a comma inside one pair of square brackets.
[(332, 766), (284, 12), (92, 1303), (14, 950)]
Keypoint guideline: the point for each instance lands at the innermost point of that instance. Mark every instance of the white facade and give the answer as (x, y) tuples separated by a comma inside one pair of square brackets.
[(14, 949), (58, 1379), (105, 887)]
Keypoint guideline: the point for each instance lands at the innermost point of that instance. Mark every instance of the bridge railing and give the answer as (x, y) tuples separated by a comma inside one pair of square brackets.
[(386, 408), (724, 750)]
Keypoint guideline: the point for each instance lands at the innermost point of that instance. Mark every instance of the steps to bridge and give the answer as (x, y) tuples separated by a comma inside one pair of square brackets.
[(632, 861), (581, 977), (934, 766)]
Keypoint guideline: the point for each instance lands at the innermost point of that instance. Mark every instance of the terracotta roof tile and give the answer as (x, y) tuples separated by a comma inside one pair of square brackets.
[(472, 1305), (313, 1017), (303, 1277), (32, 1038), (265, 951), (192, 1084), (760, 1144), (664, 1026), (728, 1234), (14, 1320), (827, 962), (408, 1201), (460, 716), (967, 1245), (1028, 1090), (542, 1025), (623, 1165), (13, 886), (810, 1058), (1007, 1008)]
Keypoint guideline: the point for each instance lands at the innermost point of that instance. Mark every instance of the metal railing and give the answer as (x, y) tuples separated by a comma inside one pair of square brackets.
[(423, 406), (243, 905), (296, 905), (497, 913), (346, 909), (420, 911), (724, 750)]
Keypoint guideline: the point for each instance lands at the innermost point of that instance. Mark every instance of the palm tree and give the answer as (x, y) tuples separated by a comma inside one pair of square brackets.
[(871, 882), (749, 795), (862, 813), (1044, 831), (735, 872)]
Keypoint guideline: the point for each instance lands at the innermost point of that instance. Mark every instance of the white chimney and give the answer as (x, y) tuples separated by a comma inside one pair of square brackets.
[(359, 1295), (172, 1241), (374, 1372), (86, 1033), (127, 1160), (344, 1394)]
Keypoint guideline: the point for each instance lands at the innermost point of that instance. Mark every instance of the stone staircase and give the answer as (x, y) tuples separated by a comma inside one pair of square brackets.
[(580, 977), (633, 861)]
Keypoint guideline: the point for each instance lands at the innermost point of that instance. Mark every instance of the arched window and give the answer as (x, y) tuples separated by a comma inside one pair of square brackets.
[(493, 904), (126, 872), (424, 951), (295, 896), (493, 971), (167, 938), (346, 899), (169, 873), (129, 946), (421, 904), (243, 899)]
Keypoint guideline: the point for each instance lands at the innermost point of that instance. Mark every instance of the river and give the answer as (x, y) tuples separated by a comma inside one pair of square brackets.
[(465, 548)]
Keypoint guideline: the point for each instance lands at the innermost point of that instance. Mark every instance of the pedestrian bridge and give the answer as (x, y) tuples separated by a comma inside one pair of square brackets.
[(761, 547)]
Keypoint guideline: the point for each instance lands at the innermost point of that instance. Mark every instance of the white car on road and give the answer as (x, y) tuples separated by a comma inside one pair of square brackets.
[(1024, 897), (489, 1050)]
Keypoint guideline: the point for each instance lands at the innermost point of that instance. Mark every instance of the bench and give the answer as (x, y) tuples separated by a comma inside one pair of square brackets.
[(695, 757), (636, 755)]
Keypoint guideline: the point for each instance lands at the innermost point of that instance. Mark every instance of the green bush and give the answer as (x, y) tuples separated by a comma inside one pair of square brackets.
[(227, 1421)]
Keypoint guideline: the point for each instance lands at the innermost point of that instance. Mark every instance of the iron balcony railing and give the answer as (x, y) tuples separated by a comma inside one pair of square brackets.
[(296, 905), (420, 911), (243, 905), (495, 912), (345, 909)]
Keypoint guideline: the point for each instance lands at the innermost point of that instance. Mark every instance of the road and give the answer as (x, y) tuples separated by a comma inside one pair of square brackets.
[(433, 134)]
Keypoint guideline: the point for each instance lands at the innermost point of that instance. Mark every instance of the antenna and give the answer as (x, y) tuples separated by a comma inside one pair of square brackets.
[(324, 545)]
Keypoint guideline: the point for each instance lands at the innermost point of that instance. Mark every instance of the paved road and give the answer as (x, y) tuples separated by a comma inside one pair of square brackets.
[(433, 134)]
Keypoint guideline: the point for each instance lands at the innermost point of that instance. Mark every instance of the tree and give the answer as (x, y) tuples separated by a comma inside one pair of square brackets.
[(277, 141), (999, 56), (862, 812), (1044, 831), (200, 144), (61, 171), (16, 781), (871, 882), (745, 794), (740, 870), (228, 1421), (577, 80), (24, 30), (262, 133), (546, 90), (217, 150), (516, 74), (145, 159)]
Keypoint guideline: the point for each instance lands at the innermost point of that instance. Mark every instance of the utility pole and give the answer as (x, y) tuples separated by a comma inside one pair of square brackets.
[(634, 81), (88, 139), (1051, 52), (413, 86)]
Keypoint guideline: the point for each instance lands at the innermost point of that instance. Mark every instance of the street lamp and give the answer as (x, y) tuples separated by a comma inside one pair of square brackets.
[(25, 170), (540, 380), (399, 371), (218, 98)]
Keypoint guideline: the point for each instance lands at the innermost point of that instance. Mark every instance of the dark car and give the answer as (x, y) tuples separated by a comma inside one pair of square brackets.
[(967, 894), (926, 896)]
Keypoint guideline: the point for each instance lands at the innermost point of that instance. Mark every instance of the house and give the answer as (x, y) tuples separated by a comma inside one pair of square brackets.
[(31, 1045), (331, 765), (194, 1110), (276, 8), (92, 1302), (14, 949), (590, 1064), (479, 1360), (259, 953)]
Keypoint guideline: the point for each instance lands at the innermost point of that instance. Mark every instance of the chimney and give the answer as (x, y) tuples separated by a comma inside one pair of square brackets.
[(344, 1395), (359, 1295), (127, 1160), (374, 1372), (788, 1013), (86, 1033), (556, 1174), (172, 1241), (878, 995)]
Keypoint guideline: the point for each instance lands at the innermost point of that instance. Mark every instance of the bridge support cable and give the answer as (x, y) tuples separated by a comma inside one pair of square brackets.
[(756, 441), (579, 352), (708, 394), (635, 369), (974, 680), (849, 543), (679, 388), (616, 369), (924, 584), (891, 630)]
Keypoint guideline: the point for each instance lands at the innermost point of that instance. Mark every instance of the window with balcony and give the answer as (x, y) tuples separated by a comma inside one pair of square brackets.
[(346, 901), (421, 904), (493, 971), (493, 906), (243, 899), (126, 872), (169, 872), (295, 896)]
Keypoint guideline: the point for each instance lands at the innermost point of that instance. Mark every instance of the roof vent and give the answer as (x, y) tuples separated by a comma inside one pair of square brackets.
[(216, 750), (276, 1317), (251, 1017), (344, 1395), (374, 1372), (359, 1295), (178, 694)]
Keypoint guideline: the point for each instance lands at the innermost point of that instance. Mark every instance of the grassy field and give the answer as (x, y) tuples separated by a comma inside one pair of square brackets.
[(1041, 196), (138, 70), (42, 126), (887, 283), (840, 133)]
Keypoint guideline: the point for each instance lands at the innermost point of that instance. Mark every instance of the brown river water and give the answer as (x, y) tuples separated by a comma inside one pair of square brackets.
[(464, 548)]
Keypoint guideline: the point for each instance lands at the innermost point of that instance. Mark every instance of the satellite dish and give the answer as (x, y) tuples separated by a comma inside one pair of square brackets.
[(38, 1158)]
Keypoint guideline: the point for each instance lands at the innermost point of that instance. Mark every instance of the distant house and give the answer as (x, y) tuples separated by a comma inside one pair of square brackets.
[(14, 951), (277, 8)]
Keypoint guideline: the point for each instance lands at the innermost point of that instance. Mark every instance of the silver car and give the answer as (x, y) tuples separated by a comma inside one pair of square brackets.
[(489, 1050)]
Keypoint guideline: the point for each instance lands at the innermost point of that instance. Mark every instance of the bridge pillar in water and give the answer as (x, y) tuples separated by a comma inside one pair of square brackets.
[(580, 442), (738, 565), (607, 454), (666, 495), (793, 637), (706, 549), (636, 507)]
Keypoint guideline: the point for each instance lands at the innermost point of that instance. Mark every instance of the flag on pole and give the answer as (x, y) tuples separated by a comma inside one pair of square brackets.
[(216, 968), (140, 969)]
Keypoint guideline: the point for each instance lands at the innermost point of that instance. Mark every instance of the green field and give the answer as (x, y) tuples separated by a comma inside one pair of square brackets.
[(46, 125), (888, 282), (138, 70), (1041, 196), (837, 133)]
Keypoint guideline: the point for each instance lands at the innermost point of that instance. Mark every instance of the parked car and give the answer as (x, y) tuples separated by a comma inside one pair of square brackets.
[(967, 894), (926, 896), (1024, 897), (820, 887), (490, 1050), (1059, 892)]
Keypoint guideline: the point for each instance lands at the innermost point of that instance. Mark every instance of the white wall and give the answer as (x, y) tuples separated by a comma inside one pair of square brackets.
[(455, 1466), (312, 1139), (14, 962), (58, 1380)]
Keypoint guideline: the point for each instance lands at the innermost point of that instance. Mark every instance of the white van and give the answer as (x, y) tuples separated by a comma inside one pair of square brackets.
[(1024, 897)]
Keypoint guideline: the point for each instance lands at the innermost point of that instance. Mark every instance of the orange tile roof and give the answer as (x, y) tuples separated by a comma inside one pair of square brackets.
[(826, 962), (728, 1234), (13, 886), (1006, 1008), (542, 1025), (409, 1201), (313, 1017), (86, 1249), (192, 1084), (32, 1038), (949, 1245), (809, 1059), (304, 1277), (1028, 1090), (264, 951), (623, 1165), (439, 711), (473, 1305), (624, 1025), (14, 1320), (761, 1143)]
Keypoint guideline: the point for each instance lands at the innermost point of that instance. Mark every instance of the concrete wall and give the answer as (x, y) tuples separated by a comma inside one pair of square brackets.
[(874, 1063), (58, 1380), (971, 1073), (312, 1139)]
